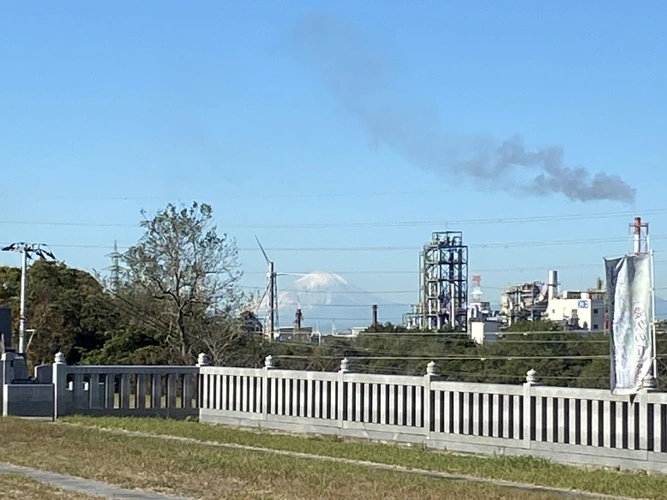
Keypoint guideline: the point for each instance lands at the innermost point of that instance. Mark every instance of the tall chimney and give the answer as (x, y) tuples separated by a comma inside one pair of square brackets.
[(552, 284), (298, 317), (637, 235), (375, 315)]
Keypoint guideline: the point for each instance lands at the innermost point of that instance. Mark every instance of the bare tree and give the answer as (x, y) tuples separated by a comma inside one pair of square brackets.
[(191, 275)]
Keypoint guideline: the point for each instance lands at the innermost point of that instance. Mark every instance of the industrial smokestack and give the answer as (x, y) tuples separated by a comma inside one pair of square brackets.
[(374, 321), (637, 235), (298, 317), (553, 284)]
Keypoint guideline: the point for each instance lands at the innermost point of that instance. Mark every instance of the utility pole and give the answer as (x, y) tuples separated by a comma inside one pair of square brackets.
[(26, 250), (24, 280), (272, 300)]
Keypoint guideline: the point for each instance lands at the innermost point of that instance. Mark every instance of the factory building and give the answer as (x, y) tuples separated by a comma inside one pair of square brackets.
[(443, 297), (586, 309), (577, 310), (483, 323)]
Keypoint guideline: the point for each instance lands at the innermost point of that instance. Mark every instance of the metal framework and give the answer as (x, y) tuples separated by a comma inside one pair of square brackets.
[(444, 281)]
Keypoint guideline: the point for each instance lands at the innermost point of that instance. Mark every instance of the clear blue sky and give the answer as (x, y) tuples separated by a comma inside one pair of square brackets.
[(108, 109)]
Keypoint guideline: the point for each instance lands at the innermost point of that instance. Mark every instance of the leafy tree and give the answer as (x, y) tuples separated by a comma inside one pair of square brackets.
[(66, 307), (188, 276)]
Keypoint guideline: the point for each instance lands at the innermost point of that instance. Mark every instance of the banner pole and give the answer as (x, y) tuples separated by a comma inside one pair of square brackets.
[(653, 326)]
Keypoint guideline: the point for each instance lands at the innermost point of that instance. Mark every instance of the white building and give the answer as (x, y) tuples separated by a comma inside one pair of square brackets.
[(585, 309), (482, 332)]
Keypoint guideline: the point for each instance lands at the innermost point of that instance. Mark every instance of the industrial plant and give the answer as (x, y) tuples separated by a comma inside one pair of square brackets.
[(444, 304), (443, 294)]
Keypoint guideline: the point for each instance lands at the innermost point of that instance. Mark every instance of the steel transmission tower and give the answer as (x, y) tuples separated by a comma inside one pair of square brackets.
[(27, 251)]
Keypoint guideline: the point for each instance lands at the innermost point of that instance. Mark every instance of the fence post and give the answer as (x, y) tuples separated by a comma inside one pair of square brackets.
[(429, 399), (60, 392), (649, 386), (342, 393), (528, 408), (6, 375), (266, 387), (203, 390)]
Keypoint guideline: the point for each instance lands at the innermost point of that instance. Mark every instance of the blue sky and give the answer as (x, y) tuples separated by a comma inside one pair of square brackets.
[(108, 109)]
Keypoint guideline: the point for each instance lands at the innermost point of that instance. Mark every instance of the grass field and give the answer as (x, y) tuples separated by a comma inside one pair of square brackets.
[(519, 469), (210, 472), (17, 487)]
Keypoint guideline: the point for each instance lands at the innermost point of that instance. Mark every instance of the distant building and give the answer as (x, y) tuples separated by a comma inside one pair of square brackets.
[(304, 334), (583, 310), (350, 333), (578, 310), (250, 323), (484, 331)]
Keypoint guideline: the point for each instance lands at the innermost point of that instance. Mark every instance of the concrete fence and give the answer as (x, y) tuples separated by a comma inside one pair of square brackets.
[(581, 426), (168, 391)]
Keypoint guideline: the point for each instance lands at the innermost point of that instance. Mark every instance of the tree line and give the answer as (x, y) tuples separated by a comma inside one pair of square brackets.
[(176, 293)]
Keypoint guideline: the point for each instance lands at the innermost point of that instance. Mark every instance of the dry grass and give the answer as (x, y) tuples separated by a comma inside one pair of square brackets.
[(214, 473), (519, 469), (17, 487)]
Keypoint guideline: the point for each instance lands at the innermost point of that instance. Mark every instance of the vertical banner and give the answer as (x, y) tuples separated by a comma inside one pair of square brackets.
[(630, 301)]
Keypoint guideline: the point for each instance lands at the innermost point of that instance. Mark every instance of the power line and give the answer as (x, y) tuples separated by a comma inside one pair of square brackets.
[(352, 292), (253, 196), (368, 224), (414, 248), (445, 358), (233, 196), (481, 271)]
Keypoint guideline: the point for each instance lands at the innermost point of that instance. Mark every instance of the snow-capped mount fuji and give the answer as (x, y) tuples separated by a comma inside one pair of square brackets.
[(327, 299)]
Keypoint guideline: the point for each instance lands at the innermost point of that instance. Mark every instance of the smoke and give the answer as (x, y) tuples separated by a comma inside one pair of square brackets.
[(361, 78)]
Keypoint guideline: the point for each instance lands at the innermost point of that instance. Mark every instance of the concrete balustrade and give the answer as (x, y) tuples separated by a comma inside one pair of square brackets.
[(582, 426)]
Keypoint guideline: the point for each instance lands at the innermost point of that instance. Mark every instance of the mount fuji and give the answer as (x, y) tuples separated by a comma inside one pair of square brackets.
[(329, 303)]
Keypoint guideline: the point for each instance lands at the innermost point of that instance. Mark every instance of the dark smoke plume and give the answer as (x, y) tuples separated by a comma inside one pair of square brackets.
[(361, 78)]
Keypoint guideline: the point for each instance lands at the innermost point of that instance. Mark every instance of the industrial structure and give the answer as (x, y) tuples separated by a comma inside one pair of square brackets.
[(575, 309), (528, 301), (443, 284)]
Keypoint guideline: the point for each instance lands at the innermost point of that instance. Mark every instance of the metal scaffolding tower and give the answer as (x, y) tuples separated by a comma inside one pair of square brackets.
[(444, 281)]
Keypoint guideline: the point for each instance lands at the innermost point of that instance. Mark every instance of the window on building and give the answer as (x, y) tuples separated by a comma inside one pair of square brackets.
[(595, 311), (595, 327)]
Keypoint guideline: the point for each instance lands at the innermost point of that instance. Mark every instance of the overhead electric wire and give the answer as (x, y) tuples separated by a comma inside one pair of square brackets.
[(391, 371), (413, 248), (368, 224), (446, 358), (480, 270)]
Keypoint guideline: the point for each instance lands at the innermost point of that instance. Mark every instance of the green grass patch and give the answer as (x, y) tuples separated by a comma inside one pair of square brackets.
[(519, 469), (215, 473)]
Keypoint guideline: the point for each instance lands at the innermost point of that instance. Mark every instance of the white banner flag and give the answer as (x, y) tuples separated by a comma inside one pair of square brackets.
[(630, 315)]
